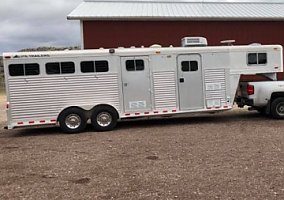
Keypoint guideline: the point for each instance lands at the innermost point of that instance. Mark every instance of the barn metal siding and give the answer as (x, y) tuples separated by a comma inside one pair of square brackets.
[(178, 10), (109, 34)]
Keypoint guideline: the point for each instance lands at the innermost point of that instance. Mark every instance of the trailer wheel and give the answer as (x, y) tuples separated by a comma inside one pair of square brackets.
[(72, 120), (104, 118), (277, 108)]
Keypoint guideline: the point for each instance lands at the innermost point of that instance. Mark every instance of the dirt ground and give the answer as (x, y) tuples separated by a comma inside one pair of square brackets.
[(233, 155)]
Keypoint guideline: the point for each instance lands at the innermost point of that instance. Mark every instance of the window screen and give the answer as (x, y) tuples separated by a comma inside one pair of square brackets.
[(189, 66), (135, 65), (60, 68), (130, 65), (101, 66), (262, 58), (252, 58), (185, 66), (52, 68), (193, 66), (16, 70), (257, 58), (94, 66), (67, 68), (29, 69), (87, 66)]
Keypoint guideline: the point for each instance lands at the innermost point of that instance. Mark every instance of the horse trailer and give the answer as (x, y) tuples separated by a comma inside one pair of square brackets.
[(103, 86)]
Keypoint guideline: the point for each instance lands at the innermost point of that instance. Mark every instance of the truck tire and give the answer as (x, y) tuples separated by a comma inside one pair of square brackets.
[(277, 108), (72, 120), (104, 118)]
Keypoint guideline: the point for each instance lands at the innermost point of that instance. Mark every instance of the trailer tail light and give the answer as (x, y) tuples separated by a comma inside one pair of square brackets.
[(250, 89), (7, 105)]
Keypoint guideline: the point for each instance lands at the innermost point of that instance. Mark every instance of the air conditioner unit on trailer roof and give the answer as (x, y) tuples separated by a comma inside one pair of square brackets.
[(194, 42)]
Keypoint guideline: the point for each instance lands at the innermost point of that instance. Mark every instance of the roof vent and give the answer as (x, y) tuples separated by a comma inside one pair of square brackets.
[(194, 42), (155, 46), (228, 42)]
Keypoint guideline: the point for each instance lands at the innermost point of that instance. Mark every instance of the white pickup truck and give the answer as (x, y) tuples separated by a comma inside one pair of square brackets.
[(267, 97)]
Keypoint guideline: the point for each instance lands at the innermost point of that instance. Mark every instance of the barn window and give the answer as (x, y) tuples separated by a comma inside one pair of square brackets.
[(135, 65), (60, 68), (257, 58), (189, 66), (29, 69), (97, 66)]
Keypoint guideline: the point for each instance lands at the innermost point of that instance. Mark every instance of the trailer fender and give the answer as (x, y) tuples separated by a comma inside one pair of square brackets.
[(106, 105), (69, 107)]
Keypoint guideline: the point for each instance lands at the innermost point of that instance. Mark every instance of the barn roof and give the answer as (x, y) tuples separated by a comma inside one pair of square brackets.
[(178, 10)]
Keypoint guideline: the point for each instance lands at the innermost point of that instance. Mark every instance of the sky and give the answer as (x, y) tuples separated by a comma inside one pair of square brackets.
[(37, 23)]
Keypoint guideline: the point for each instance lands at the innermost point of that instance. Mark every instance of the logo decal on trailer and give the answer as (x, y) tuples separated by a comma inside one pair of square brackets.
[(137, 104)]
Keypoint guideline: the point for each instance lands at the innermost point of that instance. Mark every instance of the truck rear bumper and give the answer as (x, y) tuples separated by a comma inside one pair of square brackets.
[(241, 101)]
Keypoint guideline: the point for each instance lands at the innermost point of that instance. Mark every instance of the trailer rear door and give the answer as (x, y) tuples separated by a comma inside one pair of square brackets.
[(136, 84), (190, 82)]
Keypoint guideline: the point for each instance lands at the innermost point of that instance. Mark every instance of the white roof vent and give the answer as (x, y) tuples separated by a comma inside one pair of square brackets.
[(155, 46), (194, 42), (228, 42)]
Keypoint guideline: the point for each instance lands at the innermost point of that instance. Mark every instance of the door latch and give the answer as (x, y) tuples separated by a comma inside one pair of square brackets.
[(181, 80)]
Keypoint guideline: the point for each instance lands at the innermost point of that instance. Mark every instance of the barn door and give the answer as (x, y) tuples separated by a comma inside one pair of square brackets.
[(190, 82), (136, 84)]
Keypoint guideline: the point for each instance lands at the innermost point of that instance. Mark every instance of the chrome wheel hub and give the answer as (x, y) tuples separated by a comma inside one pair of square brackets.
[(104, 119), (73, 121), (280, 109)]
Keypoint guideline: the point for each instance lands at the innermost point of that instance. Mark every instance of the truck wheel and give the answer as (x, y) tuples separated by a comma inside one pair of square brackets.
[(277, 108), (72, 120), (104, 118)]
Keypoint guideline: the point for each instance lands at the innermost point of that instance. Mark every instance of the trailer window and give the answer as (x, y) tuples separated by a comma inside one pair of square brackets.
[(67, 68), (189, 66), (29, 69), (87, 66), (135, 65), (16, 70), (52, 68), (97, 66), (101, 66), (262, 58), (257, 58), (60, 68)]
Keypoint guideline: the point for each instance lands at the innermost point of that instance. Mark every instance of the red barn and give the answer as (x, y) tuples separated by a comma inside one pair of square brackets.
[(125, 23)]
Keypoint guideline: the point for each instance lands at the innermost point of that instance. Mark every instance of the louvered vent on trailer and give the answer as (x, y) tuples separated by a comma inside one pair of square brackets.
[(194, 42)]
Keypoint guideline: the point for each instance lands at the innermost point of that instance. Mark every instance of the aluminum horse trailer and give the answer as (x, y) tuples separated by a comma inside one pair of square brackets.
[(104, 86)]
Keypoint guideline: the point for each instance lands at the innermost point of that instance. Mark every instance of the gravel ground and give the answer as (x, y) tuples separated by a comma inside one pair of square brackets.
[(233, 155)]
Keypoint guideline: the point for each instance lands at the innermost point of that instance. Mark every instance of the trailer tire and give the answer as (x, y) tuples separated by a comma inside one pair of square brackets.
[(277, 108), (104, 118), (72, 120)]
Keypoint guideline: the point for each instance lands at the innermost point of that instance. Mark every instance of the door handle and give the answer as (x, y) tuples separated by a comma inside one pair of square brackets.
[(181, 80), (125, 84)]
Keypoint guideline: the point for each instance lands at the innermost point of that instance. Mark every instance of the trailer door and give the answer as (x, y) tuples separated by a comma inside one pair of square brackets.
[(136, 84), (190, 82)]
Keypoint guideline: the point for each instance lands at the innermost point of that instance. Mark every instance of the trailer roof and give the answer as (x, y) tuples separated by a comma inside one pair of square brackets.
[(132, 51), (178, 10)]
